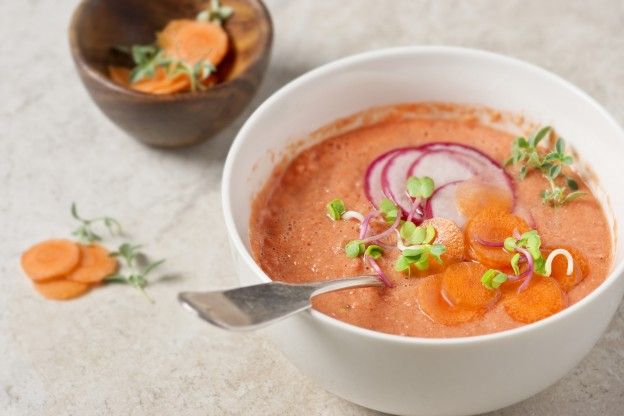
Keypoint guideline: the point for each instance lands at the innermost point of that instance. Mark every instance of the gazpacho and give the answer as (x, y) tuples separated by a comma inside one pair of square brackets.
[(472, 229)]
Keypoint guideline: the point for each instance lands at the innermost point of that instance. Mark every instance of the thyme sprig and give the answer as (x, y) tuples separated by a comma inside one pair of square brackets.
[(136, 275), (85, 232), (215, 13), (526, 153)]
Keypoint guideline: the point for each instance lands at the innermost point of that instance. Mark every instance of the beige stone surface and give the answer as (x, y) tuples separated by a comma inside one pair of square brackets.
[(114, 353)]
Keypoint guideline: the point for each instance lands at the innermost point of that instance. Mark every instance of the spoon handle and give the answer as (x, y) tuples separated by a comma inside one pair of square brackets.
[(251, 307)]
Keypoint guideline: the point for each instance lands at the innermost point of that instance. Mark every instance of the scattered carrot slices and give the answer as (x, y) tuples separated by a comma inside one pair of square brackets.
[(560, 266), (433, 305), (461, 286), (193, 41), (50, 259), (95, 264), (542, 298), (473, 196), (160, 83), (492, 226), (61, 289)]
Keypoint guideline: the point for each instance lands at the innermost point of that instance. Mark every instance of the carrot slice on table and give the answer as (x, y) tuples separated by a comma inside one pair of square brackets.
[(560, 268), (492, 225), (50, 259), (461, 286), (433, 305), (95, 264), (61, 289), (542, 298), (473, 196), (192, 41)]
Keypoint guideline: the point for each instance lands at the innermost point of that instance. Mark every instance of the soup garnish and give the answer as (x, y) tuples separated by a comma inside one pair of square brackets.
[(528, 156), (464, 244)]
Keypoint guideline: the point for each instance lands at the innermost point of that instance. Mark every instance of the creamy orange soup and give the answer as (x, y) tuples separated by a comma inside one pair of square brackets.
[(293, 239)]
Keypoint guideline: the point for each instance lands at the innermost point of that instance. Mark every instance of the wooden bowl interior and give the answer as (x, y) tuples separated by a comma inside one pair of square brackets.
[(100, 25)]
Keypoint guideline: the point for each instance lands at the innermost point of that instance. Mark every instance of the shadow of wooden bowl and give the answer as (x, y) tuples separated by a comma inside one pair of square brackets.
[(180, 119)]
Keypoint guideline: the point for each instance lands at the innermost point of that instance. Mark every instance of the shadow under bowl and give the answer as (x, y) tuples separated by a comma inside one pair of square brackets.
[(183, 119)]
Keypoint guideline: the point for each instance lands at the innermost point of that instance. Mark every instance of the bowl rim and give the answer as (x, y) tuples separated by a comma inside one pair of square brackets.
[(310, 76), (107, 83)]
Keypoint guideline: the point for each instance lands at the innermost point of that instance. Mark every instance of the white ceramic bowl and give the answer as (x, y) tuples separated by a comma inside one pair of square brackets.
[(418, 376)]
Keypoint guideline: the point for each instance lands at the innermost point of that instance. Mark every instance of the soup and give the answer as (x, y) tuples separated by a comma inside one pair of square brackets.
[(472, 229)]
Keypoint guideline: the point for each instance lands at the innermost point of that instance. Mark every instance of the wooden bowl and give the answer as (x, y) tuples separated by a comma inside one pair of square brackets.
[(175, 120)]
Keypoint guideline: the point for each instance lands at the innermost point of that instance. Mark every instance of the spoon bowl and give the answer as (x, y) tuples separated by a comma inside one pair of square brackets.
[(252, 307)]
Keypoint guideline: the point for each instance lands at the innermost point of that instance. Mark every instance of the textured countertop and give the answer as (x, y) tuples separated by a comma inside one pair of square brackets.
[(112, 352)]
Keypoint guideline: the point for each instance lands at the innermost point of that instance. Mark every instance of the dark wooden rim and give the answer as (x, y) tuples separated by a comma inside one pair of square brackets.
[(108, 83)]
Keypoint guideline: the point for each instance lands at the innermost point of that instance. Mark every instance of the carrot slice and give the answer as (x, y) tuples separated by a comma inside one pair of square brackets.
[(492, 225), (473, 196), (449, 234), (433, 305), (542, 298), (61, 289), (560, 266), (160, 83), (95, 264), (119, 75), (192, 41), (50, 259), (461, 286)]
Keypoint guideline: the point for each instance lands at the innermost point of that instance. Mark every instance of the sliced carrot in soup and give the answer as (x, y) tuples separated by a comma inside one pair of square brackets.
[(433, 305), (492, 225), (473, 196), (461, 286), (542, 298)]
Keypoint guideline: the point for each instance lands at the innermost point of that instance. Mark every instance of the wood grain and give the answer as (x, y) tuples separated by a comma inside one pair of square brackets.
[(168, 120)]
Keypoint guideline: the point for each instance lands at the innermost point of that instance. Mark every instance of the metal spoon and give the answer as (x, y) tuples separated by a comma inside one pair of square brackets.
[(252, 307)]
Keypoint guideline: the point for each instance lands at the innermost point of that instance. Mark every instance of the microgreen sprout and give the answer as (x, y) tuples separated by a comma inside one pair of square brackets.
[(527, 155), (389, 210), (527, 246), (355, 248), (136, 275), (420, 187), (373, 251), (420, 247), (85, 232), (493, 279), (335, 208)]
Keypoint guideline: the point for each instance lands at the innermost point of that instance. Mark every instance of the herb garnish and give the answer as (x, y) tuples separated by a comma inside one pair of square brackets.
[(85, 232), (129, 253), (420, 249), (525, 152), (527, 246), (216, 13), (335, 209), (419, 239), (137, 276), (420, 187), (148, 58)]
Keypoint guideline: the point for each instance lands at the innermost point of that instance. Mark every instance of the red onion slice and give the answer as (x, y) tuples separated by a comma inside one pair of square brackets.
[(394, 179)]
